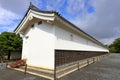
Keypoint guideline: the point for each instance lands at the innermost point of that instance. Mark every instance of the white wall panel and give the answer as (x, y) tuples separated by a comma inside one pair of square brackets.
[(63, 41), (39, 47)]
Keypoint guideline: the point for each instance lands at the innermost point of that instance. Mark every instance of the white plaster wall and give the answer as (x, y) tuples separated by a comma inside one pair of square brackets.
[(38, 49), (63, 41)]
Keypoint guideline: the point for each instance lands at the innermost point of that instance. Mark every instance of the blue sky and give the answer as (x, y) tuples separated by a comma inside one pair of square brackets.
[(99, 18)]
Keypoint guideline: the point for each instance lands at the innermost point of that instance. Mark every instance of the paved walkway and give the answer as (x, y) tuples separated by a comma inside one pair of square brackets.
[(108, 69)]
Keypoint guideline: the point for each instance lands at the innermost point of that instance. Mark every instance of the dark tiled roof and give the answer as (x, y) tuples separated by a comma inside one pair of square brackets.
[(32, 7), (37, 9)]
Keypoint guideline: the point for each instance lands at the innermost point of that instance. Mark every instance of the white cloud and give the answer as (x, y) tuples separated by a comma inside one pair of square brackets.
[(7, 17), (11, 12), (8, 28), (54, 4), (7, 20), (16, 6), (104, 23), (75, 6)]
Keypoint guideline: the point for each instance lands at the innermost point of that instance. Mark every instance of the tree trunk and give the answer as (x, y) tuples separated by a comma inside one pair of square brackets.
[(9, 53)]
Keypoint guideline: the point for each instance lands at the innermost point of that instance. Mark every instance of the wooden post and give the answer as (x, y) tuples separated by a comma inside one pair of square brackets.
[(93, 60), (55, 78), (88, 62), (78, 65), (25, 68), (9, 54)]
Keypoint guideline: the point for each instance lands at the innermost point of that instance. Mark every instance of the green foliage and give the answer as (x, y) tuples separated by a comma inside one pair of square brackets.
[(2, 53), (10, 41), (115, 46)]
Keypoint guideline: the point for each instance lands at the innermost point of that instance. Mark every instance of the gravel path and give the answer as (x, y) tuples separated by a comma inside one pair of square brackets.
[(107, 69), (8, 74)]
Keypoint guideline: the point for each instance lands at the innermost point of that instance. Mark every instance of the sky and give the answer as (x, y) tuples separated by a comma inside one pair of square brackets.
[(99, 18)]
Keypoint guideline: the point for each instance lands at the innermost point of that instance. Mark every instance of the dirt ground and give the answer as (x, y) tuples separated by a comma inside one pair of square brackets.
[(107, 69)]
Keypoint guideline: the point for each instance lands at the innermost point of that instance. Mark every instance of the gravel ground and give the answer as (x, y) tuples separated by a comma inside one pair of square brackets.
[(8, 74), (107, 69)]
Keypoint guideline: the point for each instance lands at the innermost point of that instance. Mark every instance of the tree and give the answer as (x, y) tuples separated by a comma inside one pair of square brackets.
[(115, 46), (9, 41)]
